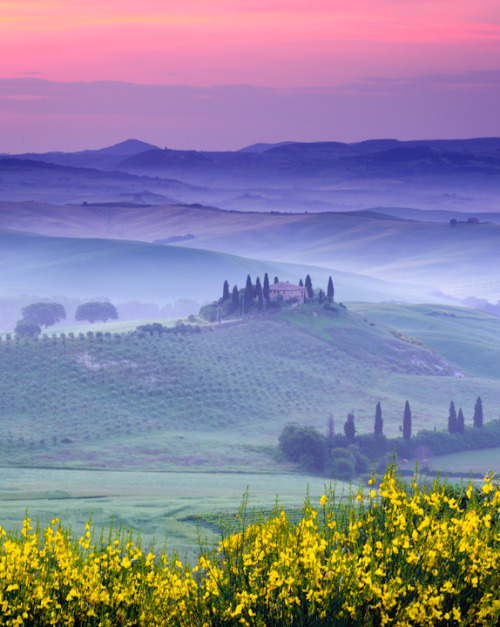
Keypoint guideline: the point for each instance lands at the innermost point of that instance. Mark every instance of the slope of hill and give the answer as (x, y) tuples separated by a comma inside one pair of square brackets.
[(215, 398), (466, 337), (44, 181), (411, 258), (459, 261), (105, 158), (118, 269)]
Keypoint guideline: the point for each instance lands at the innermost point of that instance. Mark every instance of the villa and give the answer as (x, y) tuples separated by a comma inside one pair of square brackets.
[(287, 291)]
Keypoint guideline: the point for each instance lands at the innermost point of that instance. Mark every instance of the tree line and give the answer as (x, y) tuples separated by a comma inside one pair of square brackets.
[(343, 455), (38, 315)]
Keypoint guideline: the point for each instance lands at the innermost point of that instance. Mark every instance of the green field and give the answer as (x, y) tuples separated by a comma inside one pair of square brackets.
[(155, 503), (474, 461), (468, 338)]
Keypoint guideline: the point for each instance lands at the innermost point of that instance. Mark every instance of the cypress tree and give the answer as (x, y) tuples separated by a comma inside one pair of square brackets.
[(265, 291), (276, 280), (330, 290), (478, 413), (349, 428), (331, 433), (452, 419), (460, 422), (309, 287), (235, 303), (378, 426), (407, 422), (260, 298), (301, 283), (225, 291), (247, 302)]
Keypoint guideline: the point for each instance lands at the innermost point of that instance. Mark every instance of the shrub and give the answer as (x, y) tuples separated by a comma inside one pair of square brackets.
[(343, 469), (298, 440)]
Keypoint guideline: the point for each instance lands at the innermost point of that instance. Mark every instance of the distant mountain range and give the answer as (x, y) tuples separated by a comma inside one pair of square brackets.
[(447, 175)]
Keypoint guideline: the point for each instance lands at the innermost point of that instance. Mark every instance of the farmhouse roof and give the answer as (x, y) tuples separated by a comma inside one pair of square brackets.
[(285, 286)]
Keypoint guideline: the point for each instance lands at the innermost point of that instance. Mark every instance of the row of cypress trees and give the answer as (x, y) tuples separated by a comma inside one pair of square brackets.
[(456, 421), (259, 293)]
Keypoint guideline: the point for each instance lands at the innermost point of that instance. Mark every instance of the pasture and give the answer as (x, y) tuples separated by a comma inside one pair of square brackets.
[(156, 504)]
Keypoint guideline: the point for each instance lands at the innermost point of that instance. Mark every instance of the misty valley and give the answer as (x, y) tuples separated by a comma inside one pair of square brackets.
[(183, 331)]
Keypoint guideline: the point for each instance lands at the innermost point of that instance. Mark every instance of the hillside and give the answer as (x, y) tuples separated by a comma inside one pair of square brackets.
[(217, 398), (399, 259), (44, 181), (85, 268)]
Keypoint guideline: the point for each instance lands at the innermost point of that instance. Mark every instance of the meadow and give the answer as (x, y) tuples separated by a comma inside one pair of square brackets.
[(160, 506)]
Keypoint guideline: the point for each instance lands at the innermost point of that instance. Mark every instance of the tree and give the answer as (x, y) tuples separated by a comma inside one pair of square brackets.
[(478, 413), (276, 280), (330, 290), (26, 328), (93, 311), (304, 445), (460, 422), (258, 292), (44, 314), (309, 287), (407, 422), (331, 433), (378, 426), (301, 283), (235, 299), (452, 419), (247, 300), (152, 328), (265, 291), (349, 428), (225, 291)]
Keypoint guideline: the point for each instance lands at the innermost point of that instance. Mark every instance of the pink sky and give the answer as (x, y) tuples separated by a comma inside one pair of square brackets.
[(264, 71)]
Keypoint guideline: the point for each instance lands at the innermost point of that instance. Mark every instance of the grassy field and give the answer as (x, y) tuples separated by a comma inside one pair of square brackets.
[(157, 504), (468, 338), (474, 461)]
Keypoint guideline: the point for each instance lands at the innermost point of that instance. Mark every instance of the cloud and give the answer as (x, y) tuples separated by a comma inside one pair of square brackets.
[(37, 114)]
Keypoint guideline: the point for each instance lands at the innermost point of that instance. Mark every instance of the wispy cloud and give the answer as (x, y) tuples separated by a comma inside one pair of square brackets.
[(91, 114)]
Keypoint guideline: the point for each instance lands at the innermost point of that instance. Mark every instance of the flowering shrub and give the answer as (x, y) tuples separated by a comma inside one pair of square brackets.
[(401, 554)]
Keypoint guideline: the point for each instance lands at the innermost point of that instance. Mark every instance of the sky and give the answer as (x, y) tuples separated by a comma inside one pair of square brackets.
[(223, 74)]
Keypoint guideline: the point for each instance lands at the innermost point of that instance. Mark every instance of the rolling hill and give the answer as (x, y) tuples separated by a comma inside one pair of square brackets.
[(400, 259), (217, 398), (119, 269), (34, 267)]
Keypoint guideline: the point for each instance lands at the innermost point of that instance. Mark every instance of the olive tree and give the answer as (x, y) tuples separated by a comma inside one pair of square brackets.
[(97, 310)]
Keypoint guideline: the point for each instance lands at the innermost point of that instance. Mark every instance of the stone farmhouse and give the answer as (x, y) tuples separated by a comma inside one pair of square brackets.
[(287, 291)]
